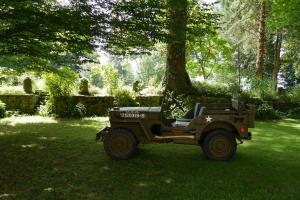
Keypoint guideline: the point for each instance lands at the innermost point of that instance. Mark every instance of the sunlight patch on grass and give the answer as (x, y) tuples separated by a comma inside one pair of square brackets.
[(290, 123), (13, 121), (28, 145), (100, 119), (9, 133), (5, 195), (48, 189), (143, 184), (168, 180), (47, 138)]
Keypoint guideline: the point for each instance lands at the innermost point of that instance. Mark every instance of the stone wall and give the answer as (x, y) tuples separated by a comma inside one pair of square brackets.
[(95, 105), (99, 105), (22, 103)]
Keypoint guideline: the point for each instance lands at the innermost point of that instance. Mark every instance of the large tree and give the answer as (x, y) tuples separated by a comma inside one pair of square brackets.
[(177, 78), (261, 38), (40, 34)]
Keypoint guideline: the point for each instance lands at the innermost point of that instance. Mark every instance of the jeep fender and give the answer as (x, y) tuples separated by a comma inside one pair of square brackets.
[(227, 126)]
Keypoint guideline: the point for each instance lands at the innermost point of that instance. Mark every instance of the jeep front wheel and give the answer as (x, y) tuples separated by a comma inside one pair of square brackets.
[(120, 144), (219, 145)]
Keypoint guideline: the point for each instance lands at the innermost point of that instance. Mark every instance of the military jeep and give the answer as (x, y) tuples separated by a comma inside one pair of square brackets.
[(216, 128)]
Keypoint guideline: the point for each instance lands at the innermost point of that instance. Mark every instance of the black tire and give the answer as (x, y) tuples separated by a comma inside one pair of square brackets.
[(219, 145), (120, 144)]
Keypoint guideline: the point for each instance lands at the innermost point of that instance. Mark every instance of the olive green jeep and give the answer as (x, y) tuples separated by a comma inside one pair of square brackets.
[(215, 127)]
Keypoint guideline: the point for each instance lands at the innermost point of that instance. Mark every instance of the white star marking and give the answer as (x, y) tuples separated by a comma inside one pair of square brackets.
[(208, 119)]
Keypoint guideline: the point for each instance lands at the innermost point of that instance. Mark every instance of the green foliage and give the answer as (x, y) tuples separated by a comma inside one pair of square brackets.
[(285, 14), (11, 90), (267, 112), (111, 79), (45, 109), (263, 88), (27, 85), (2, 109), (84, 87), (294, 113), (124, 97), (212, 90), (152, 67), (61, 84), (38, 35), (289, 75), (293, 94), (209, 56), (175, 105), (96, 77), (79, 110)]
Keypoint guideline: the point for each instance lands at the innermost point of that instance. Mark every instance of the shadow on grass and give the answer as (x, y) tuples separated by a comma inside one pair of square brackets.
[(70, 165)]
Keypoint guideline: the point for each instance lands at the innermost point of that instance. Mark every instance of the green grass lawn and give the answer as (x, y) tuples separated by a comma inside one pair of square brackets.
[(45, 158)]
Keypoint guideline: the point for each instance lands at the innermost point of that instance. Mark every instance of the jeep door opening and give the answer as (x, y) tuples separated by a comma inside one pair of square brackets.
[(216, 128)]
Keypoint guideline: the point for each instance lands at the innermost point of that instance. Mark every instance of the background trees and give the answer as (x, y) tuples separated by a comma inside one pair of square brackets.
[(202, 41)]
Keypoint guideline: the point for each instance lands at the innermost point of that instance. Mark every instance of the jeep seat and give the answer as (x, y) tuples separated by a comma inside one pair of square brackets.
[(189, 116)]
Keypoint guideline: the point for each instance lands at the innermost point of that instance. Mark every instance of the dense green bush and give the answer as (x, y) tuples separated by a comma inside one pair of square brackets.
[(45, 109), (111, 79), (27, 85), (2, 109), (263, 89), (294, 113), (267, 112), (124, 97), (211, 90), (60, 84), (79, 110), (294, 94)]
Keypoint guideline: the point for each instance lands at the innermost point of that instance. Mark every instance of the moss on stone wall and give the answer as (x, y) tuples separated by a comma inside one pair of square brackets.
[(23, 103)]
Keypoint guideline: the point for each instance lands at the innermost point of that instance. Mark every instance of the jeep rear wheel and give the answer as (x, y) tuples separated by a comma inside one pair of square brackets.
[(120, 144), (219, 145)]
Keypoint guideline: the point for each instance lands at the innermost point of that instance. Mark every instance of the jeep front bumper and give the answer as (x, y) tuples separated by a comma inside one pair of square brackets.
[(101, 133)]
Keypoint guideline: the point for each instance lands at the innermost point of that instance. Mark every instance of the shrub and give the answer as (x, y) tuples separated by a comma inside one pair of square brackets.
[(2, 109), (84, 87), (263, 88), (27, 85), (79, 110), (294, 94), (62, 83), (124, 97), (152, 91), (11, 90), (111, 79), (267, 112), (211, 90), (175, 106), (294, 113), (45, 109), (13, 113)]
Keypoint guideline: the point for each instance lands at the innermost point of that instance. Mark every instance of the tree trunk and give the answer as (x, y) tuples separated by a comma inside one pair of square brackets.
[(261, 39), (176, 77), (277, 63)]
